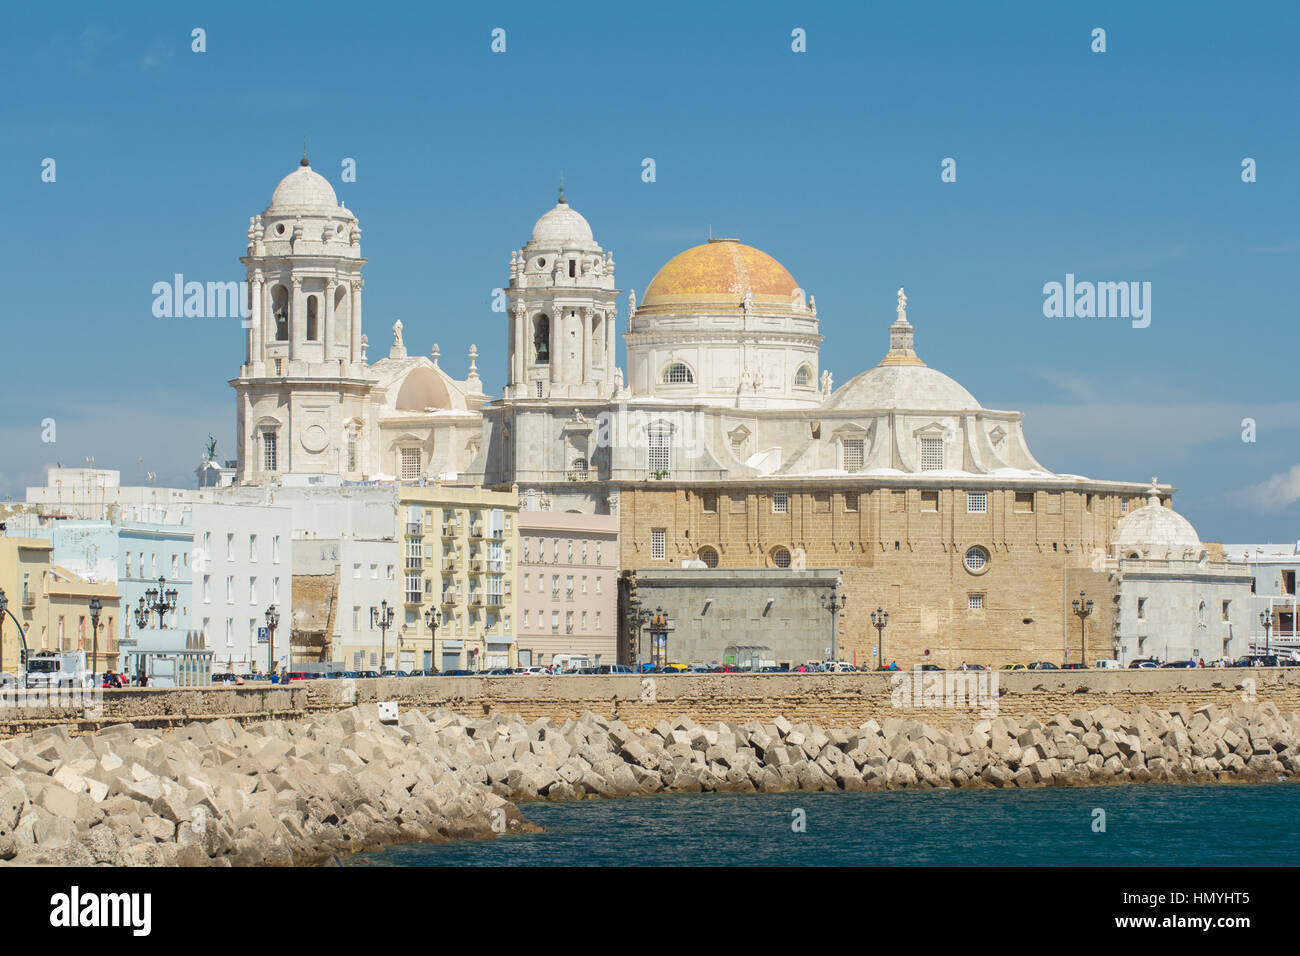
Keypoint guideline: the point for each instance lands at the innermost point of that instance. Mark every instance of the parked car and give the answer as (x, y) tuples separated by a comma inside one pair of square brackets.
[(1076, 666), (366, 674), (839, 667), (1108, 664), (424, 673), (928, 667), (1016, 667), (458, 673), (1043, 666), (1144, 663), (301, 675), (1183, 663)]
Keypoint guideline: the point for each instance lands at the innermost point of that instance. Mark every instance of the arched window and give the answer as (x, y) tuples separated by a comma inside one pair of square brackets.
[(311, 319), (542, 340), (781, 557), (578, 469), (678, 374), (803, 376), (709, 556), (280, 310), (1200, 615)]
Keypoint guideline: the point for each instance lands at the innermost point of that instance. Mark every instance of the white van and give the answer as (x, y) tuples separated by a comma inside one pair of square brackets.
[(50, 669), (1109, 664)]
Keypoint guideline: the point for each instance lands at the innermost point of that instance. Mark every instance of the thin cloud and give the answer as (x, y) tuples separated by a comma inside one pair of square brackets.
[(1275, 493)]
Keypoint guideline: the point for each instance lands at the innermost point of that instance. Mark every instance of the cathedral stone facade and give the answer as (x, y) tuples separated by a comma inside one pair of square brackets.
[(727, 445), (310, 400)]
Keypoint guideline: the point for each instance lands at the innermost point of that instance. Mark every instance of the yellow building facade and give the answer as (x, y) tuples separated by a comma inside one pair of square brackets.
[(459, 548)]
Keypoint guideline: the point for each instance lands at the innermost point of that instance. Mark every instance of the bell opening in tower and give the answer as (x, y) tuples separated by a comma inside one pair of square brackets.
[(542, 339)]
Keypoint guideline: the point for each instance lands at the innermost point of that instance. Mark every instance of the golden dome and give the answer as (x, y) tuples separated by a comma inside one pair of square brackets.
[(719, 272)]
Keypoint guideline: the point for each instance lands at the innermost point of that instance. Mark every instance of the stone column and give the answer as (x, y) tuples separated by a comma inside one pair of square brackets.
[(557, 344), (327, 324), (356, 320), (586, 343), (297, 321), (255, 320), (609, 343), (520, 363)]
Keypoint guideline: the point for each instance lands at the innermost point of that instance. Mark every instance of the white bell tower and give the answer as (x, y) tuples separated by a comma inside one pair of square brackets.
[(562, 312)]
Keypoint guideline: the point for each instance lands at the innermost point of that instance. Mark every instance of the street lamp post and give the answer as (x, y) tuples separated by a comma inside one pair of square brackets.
[(1266, 621), (1083, 608), (382, 617), (433, 619), (879, 618), (834, 602), (637, 618), (160, 601), (95, 607), (272, 622)]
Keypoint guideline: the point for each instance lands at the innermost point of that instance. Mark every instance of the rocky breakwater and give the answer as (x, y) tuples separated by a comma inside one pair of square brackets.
[(301, 791), (594, 756), (219, 793)]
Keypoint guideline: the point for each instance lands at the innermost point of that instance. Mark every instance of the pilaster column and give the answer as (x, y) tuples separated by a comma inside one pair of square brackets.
[(611, 349), (586, 344), (297, 321), (557, 345), (519, 362), (255, 320), (356, 320), (327, 326)]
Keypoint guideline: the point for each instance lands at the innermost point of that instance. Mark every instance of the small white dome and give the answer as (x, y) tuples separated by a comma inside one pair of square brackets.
[(904, 388), (1154, 531), (562, 224), (304, 189)]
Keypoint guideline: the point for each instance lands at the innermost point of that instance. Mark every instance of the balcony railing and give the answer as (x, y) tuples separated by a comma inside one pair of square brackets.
[(449, 564), (414, 527), (476, 530), (29, 598), (475, 600), (476, 567), (450, 597), (580, 475), (450, 529), (494, 600)]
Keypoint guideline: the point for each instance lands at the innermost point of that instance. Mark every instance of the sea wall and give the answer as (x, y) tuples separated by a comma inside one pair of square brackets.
[(839, 700)]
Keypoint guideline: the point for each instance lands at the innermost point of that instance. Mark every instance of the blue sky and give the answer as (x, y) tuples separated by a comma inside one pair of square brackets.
[(1115, 166)]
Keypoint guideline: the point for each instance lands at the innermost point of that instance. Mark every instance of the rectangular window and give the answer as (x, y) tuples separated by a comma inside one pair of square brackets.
[(568, 587), (524, 620), (356, 571), (230, 589), (975, 602), (930, 501), (659, 450), (568, 622), (598, 552), (1142, 608), (539, 388), (709, 503), (252, 590), (176, 565), (1227, 609), (252, 547), (584, 584), (230, 547), (410, 463), (658, 544), (1123, 506), (598, 620), (931, 454), (850, 501), (352, 451), (525, 557), (207, 589), (268, 451), (374, 572), (275, 549), (356, 617), (555, 587), (584, 620), (526, 577), (1024, 502), (977, 502), (555, 622), (598, 584), (1288, 582), (780, 503), (584, 552), (853, 454)]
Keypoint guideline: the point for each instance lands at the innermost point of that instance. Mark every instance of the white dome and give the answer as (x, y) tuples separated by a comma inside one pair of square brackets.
[(1154, 531), (905, 388), (562, 224), (304, 189)]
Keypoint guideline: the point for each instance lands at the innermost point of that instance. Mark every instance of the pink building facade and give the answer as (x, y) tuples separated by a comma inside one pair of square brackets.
[(567, 594)]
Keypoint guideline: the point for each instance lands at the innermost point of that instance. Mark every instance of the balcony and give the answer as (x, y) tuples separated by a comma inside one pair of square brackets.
[(450, 597), (475, 599), (476, 530), (450, 529), (579, 475), (494, 600), (497, 534), (414, 528), (29, 598), (475, 566), (414, 563), (449, 564), (414, 597)]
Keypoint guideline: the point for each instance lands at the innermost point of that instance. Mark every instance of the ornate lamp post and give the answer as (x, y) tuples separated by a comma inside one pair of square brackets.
[(160, 601), (381, 617), (834, 602), (637, 618), (1083, 608), (95, 607), (433, 620), (879, 618), (272, 622), (1266, 621)]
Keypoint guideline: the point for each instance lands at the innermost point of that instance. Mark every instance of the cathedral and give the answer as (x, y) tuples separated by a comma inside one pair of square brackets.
[(727, 444)]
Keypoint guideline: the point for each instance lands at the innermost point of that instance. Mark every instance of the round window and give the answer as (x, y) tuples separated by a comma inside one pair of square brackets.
[(976, 560), (541, 263), (781, 557), (279, 230)]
